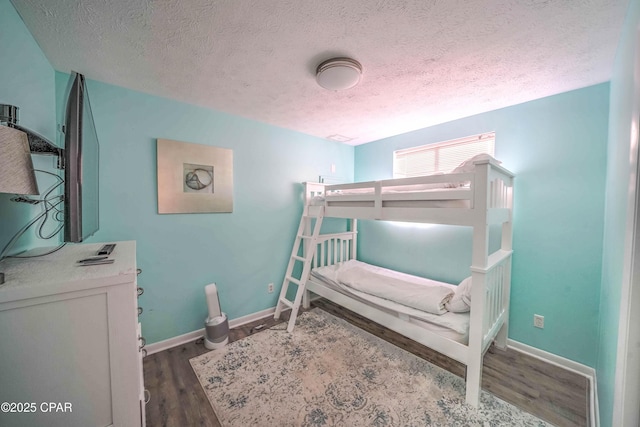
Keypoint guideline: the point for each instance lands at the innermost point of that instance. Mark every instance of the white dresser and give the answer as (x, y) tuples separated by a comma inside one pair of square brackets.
[(70, 344)]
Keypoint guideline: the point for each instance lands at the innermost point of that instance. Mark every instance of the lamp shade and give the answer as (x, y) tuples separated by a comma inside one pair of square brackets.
[(16, 168)]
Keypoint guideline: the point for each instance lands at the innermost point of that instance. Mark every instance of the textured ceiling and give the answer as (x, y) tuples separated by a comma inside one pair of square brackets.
[(425, 61)]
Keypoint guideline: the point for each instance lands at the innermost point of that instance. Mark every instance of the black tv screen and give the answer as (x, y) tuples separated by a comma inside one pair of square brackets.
[(81, 156)]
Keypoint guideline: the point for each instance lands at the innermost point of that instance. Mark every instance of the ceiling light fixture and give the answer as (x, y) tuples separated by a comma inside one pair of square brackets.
[(339, 73)]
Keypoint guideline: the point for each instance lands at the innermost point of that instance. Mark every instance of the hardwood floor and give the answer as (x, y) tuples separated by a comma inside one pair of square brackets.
[(549, 392)]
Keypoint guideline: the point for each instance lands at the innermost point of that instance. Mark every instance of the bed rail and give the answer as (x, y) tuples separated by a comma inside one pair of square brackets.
[(500, 194), (334, 248), (456, 198), (497, 279)]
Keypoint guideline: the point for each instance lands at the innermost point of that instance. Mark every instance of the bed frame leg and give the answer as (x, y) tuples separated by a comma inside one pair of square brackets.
[(306, 299), (474, 380), (501, 337)]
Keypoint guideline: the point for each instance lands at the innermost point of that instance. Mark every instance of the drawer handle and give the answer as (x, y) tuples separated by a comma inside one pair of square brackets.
[(140, 310), (144, 343), (144, 352), (147, 396), (140, 291), (138, 271)]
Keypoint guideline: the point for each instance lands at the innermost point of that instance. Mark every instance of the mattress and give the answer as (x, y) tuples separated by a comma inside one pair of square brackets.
[(335, 201), (399, 189), (437, 195), (453, 326)]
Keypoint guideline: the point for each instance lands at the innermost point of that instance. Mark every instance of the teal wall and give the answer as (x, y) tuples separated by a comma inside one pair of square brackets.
[(556, 146), (26, 81), (619, 174), (179, 254)]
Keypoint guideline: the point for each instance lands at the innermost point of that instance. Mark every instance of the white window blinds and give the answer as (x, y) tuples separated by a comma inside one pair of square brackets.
[(440, 157)]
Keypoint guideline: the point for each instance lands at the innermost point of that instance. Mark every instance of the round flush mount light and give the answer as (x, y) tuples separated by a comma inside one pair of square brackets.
[(339, 73)]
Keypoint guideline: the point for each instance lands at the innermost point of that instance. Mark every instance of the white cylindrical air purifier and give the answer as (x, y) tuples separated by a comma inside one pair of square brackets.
[(217, 324)]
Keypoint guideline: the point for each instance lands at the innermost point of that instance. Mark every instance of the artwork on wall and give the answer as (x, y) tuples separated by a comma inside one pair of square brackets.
[(194, 178)]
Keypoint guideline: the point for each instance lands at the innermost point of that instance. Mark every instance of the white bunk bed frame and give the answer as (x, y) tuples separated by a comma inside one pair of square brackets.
[(487, 201)]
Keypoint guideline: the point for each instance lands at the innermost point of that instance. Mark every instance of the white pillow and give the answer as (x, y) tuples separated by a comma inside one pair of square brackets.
[(461, 300), (467, 165), (464, 288), (456, 305)]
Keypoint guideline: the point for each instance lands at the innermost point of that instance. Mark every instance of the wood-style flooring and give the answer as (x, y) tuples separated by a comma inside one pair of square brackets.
[(551, 393)]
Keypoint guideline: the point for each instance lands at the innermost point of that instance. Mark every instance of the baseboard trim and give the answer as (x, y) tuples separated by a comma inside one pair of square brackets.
[(194, 335), (240, 321), (569, 365), (159, 346)]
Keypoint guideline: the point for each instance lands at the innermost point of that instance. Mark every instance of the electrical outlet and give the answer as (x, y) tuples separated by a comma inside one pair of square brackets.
[(270, 288), (538, 321)]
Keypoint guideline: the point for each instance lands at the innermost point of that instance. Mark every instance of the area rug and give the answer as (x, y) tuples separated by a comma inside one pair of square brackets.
[(331, 373)]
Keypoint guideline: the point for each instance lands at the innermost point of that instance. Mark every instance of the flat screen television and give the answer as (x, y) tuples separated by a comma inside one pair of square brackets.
[(81, 161)]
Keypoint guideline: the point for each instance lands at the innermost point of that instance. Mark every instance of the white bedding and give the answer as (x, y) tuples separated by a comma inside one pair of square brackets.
[(456, 323), (427, 295)]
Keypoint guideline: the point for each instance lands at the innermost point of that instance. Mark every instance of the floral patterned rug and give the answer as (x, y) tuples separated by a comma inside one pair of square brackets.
[(330, 373)]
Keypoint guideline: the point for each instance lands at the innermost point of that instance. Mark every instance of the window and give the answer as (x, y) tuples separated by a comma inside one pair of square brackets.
[(442, 156)]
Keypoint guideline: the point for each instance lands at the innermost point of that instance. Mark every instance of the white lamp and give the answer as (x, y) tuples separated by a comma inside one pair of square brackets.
[(16, 168), (339, 73)]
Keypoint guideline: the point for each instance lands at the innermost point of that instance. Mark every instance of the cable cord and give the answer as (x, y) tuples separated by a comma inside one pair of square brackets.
[(50, 204)]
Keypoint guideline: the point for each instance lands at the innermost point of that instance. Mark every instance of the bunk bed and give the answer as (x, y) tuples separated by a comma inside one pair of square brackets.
[(479, 194)]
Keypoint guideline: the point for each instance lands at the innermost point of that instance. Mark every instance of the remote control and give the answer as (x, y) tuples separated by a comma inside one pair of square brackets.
[(97, 262), (107, 249), (94, 258)]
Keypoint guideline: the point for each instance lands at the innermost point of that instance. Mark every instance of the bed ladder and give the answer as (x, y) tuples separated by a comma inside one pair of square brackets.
[(310, 239)]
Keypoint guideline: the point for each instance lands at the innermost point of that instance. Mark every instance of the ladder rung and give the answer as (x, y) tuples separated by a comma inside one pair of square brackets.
[(286, 302), (306, 223), (294, 280)]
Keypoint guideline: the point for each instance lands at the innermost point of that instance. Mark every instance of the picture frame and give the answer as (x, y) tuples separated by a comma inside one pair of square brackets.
[(194, 178)]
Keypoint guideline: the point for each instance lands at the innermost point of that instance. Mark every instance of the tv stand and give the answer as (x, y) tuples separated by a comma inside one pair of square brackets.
[(69, 336)]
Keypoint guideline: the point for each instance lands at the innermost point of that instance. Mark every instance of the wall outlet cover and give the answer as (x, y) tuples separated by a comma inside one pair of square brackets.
[(538, 321)]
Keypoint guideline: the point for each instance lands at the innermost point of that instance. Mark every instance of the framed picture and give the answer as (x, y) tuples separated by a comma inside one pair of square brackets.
[(194, 178)]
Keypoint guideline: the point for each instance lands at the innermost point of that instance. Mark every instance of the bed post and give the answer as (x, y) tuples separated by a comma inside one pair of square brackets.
[(311, 190), (506, 245), (306, 295), (479, 260), (475, 355), (353, 228)]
